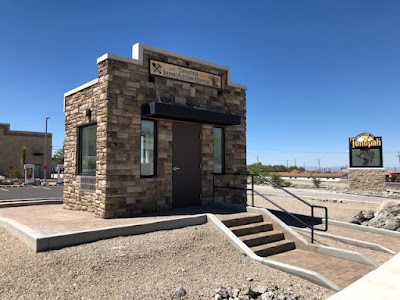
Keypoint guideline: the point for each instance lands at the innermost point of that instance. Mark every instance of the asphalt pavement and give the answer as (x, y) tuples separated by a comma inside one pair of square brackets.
[(31, 193)]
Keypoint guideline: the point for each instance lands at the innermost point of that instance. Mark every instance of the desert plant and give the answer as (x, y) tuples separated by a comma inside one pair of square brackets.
[(14, 173), (23, 156), (316, 182), (276, 179)]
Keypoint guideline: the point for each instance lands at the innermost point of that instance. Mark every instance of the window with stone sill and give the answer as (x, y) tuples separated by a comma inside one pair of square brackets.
[(148, 149)]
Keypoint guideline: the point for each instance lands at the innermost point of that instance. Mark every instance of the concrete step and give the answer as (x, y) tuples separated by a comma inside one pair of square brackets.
[(260, 238), (251, 228), (241, 219), (273, 248)]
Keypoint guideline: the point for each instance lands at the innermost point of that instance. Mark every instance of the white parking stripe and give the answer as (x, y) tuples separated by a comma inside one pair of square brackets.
[(41, 187), (4, 190)]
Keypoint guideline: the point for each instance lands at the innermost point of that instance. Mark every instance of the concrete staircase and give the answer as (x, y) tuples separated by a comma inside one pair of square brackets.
[(257, 234)]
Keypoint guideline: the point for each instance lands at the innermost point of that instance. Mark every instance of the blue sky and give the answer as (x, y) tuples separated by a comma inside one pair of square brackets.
[(317, 72)]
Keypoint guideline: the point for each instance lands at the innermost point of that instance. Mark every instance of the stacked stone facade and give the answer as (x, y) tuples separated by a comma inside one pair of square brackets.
[(11, 142), (115, 100), (367, 179)]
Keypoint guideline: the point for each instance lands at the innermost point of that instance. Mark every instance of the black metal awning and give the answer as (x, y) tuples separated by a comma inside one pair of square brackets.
[(159, 110)]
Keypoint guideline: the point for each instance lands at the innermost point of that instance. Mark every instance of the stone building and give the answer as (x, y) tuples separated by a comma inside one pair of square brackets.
[(11, 142), (150, 131)]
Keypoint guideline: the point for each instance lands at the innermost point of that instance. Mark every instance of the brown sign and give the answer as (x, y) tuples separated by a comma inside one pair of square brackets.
[(180, 73)]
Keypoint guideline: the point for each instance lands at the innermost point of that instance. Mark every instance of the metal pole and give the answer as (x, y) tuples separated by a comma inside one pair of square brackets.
[(213, 187), (45, 153), (312, 224), (252, 190)]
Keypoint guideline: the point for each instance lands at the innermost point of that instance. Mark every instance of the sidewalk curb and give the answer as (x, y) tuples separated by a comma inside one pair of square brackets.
[(39, 243), (364, 228), (350, 241), (29, 203)]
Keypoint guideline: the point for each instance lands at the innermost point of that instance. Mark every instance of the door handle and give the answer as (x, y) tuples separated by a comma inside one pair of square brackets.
[(176, 168)]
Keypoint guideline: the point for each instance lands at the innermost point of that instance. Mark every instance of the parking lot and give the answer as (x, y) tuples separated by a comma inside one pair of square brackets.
[(31, 193)]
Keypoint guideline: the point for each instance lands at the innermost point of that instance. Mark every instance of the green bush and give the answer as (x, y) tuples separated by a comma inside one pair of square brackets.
[(316, 182), (279, 181), (16, 173)]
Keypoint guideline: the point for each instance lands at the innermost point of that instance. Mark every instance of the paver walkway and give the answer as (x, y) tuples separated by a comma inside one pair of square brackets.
[(340, 271), (54, 220), (389, 242)]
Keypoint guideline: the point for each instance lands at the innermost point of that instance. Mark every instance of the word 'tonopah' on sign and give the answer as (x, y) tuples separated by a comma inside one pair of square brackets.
[(365, 151)]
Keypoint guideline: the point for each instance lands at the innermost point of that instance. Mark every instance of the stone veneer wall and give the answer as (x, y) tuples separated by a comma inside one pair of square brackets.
[(116, 102), (11, 142), (367, 179)]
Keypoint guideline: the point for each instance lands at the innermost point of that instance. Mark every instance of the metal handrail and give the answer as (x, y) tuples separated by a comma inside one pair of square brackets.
[(312, 228)]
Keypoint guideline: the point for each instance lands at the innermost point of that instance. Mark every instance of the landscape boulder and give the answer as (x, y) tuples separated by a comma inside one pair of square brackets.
[(259, 293), (362, 216), (386, 218), (389, 203)]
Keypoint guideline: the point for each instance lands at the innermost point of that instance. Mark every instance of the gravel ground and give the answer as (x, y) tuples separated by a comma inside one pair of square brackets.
[(154, 265), (337, 210), (148, 266)]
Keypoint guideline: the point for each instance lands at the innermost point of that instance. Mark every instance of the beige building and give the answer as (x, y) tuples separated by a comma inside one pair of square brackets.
[(11, 142), (149, 133)]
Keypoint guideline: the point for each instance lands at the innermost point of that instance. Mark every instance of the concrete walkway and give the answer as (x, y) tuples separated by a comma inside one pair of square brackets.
[(54, 220), (389, 242), (340, 271)]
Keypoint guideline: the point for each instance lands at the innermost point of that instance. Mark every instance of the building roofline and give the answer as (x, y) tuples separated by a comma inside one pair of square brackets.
[(79, 88), (8, 131), (137, 58)]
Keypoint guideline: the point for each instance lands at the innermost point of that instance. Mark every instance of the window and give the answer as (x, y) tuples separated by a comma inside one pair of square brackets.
[(147, 149), (219, 150), (87, 150)]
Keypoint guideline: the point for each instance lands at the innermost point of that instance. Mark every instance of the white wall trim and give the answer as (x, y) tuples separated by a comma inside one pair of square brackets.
[(79, 88), (117, 57)]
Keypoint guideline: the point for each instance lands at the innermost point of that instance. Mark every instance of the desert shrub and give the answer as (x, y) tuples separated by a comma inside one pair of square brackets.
[(316, 182), (279, 181)]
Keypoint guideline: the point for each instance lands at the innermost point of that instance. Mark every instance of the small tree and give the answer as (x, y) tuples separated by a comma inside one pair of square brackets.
[(316, 182), (59, 156), (279, 181)]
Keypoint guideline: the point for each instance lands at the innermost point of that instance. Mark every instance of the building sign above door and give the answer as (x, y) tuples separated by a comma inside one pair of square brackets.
[(365, 151), (180, 73)]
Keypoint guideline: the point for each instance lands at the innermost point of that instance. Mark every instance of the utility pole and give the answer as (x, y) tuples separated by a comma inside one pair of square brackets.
[(45, 154), (295, 163), (398, 155), (319, 165), (287, 163)]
